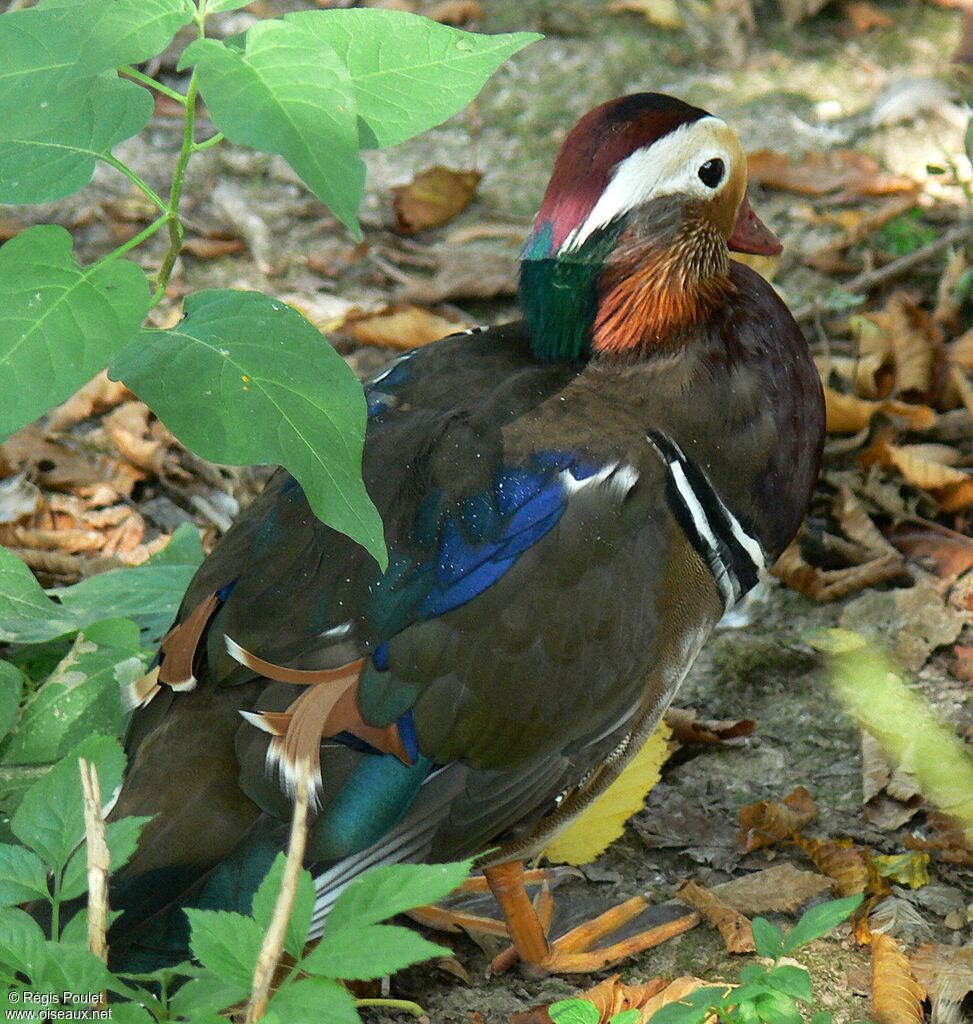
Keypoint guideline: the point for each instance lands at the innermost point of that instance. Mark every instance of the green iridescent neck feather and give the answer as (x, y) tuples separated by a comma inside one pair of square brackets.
[(559, 295)]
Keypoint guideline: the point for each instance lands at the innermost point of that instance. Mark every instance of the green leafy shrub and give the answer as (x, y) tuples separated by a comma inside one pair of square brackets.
[(766, 994), (49, 864), (244, 378)]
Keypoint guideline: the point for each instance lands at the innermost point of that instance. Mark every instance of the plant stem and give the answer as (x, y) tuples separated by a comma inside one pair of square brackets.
[(198, 147), (176, 230), (153, 84), (135, 240), (406, 1005), (142, 186)]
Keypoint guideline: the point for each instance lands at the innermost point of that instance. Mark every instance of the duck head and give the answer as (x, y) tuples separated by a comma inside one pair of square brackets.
[(631, 246)]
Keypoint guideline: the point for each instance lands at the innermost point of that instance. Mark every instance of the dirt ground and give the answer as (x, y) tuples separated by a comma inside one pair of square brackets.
[(812, 88)]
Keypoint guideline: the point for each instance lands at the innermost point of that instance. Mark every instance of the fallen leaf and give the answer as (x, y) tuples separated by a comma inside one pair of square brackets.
[(950, 555), (857, 225), (843, 171), (847, 413), (733, 927), (96, 396), (778, 889), (603, 821), (213, 248), (826, 585), (915, 338), (661, 13), (677, 990), (890, 794), (404, 328), (467, 272), (896, 996), (688, 728), (930, 467), (456, 12), (19, 498), (764, 823), (864, 16), (947, 840), (128, 427), (911, 869), (432, 198), (612, 996), (839, 859), (945, 972), (948, 304)]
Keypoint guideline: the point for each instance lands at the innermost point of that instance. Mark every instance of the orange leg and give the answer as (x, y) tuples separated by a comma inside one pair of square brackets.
[(572, 953)]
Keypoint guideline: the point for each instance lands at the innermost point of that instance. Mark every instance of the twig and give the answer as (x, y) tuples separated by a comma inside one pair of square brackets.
[(865, 282), (273, 942), (99, 863)]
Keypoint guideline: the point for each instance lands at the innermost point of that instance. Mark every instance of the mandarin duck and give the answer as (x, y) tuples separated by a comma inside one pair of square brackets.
[(571, 503)]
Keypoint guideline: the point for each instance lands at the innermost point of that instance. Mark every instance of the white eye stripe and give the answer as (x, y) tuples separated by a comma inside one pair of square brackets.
[(669, 166)]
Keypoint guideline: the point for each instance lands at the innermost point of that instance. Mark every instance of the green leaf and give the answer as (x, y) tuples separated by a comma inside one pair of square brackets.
[(266, 896), (206, 993), (52, 156), (682, 1012), (573, 1011), (60, 323), (768, 938), (821, 1017), (408, 73), (22, 944), (793, 981), (82, 695), (362, 953), (23, 876), (11, 688), (71, 969), (244, 378), (968, 140), (774, 1008), (148, 594), (27, 615), (123, 838), (312, 999), (75, 932), (216, 6), (386, 891), (228, 944), (820, 920), (287, 92), (626, 1017), (184, 548), (50, 818)]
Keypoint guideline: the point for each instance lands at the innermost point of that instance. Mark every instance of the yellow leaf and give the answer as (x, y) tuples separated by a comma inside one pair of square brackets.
[(911, 869), (604, 821)]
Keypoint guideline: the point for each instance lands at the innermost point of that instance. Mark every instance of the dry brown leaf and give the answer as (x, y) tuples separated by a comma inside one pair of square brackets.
[(945, 972), (947, 311), (847, 414), (839, 859), (780, 889), (915, 338), (960, 379), (961, 350), (765, 823), (890, 795), (733, 926), (929, 466), (949, 554), (678, 989), (213, 248), (896, 996), (864, 16), (856, 226), (826, 585), (128, 427), (456, 12), (469, 272), (98, 394), (857, 524), (405, 328), (947, 841), (661, 13), (852, 175), (612, 996), (688, 728), (433, 197), (19, 498)]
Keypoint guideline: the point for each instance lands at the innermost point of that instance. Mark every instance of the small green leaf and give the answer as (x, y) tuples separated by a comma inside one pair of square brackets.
[(768, 938), (626, 1017), (71, 969), (776, 1008), (312, 999), (573, 1011), (820, 920), (793, 981), (821, 1017), (22, 943), (228, 944), (682, 1012), (287, 92), (75, 932), (408, 73), (82, 695), (50, 818), (266, 896), (361, 953), (11, 688), (216, 6), (184, 548), (27, 615), (60, 323), (386, 891), (206, 993), (23, 876), (245, 378)]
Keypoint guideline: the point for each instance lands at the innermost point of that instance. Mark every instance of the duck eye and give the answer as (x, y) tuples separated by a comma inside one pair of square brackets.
[(711, 173)]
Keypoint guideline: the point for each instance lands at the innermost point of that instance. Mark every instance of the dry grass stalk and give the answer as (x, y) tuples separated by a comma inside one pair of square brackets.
[(99, 863), (273, 943)]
